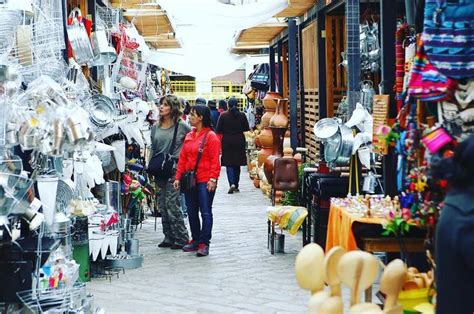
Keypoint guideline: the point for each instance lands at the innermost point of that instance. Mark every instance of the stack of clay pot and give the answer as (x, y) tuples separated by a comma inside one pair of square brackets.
[(265, 138)]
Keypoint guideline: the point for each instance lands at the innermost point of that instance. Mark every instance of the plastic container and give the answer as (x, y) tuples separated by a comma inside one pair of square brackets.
[(411, 298)]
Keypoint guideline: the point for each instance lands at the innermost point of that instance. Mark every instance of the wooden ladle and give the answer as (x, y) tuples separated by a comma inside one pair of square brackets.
[(309, 268), (333, 305), (358, 270), (330, 265), (392, 281)]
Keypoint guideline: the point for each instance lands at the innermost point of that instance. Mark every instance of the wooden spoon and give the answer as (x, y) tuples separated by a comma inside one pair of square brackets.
[(366, 308), (309, 268), (333, 305), (330, 264), (358, 270), (315, 302), (392, 281)]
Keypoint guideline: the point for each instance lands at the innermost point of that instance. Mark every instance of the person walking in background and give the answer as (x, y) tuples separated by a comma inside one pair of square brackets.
[(232, 125), (162, 134), (186, 109), (208, 169), (211, 104), (200, 101), (222, 106), (455, 233)]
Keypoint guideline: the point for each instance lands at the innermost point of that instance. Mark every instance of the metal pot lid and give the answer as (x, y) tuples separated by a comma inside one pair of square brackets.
[(325, 128), (102, 110), (105, 57)]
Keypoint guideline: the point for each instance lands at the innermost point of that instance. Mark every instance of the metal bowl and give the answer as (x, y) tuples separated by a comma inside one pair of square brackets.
[(326, 128), (102, 111)]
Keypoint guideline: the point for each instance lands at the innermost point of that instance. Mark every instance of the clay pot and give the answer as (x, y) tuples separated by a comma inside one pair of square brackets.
[(263, 154), (277, 152), (269, 101), (280, 118), (267, 116), (256, 182), (266, 138), (257, 141)]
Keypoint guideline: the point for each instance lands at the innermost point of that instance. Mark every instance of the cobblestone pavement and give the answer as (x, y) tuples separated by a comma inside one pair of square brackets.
[(239, 275)]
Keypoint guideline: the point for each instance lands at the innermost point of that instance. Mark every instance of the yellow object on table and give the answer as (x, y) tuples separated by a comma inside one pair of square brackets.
[(287, 217), (410, 299), (339, 231)]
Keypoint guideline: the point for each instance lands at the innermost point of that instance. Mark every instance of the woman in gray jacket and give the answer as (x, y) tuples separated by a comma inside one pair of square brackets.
[(174, 229)]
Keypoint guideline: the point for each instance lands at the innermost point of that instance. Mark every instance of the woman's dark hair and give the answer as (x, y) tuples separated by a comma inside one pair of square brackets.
[(459, 169), (175, 105), (223, 104), (232, 103), (205, 113)]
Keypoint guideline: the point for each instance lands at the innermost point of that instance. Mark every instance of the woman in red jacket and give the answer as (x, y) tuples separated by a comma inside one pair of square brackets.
[(208, 170)]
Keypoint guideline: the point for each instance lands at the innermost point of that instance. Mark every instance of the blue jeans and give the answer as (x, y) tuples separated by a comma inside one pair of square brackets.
[(200, 200), (233, 175)]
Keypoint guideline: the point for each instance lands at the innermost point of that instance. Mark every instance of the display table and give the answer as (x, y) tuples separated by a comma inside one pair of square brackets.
[(340, 228), (351, 232)]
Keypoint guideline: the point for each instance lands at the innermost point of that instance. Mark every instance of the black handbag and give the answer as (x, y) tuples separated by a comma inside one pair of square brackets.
[(188, 179), (261, 76), (162, 165)]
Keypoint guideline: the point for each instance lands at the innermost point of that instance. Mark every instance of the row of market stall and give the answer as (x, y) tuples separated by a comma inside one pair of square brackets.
[(376, 99), (75, 103)]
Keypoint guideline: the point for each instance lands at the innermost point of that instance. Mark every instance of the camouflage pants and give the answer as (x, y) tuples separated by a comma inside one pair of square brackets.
[(172, 218)]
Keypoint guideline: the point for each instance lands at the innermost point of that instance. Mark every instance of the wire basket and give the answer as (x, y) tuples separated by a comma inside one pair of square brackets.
[(127, 73), (108, 18), (62, 300)]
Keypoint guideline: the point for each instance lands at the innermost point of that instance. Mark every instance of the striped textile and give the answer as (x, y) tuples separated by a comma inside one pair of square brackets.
[(426, 82), (448, 36)]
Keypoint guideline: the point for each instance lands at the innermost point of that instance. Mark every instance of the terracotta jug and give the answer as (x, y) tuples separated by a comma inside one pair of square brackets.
[(280, 118), (269, 101), (277, 152), (266, 138), (270, 104)]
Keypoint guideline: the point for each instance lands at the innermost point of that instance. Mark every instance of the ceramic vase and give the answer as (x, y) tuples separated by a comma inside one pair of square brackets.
[(266, 140), (280, 118), (277, 151), (270, 103)]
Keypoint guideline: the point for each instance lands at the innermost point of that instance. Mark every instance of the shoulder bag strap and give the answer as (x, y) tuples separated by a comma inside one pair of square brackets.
[(173, 142), (200, 153)]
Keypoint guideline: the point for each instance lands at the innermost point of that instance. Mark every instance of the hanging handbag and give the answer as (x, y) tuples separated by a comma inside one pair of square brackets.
[(161, 165), (188, 179), (260, 78), (448, 35), (426, 82)]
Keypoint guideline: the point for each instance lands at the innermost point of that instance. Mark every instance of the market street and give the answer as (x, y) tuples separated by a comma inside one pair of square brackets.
[(239, 275)]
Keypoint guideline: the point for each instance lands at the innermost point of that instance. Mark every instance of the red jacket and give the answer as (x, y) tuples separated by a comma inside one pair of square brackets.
[(209, 165)]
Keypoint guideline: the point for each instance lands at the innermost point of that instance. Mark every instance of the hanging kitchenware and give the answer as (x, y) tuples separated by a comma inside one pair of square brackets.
[(367, 93), (79, 39), (326, 128), (103, 53), (370, 182), (338, 149), (47, 190), (102, 110)]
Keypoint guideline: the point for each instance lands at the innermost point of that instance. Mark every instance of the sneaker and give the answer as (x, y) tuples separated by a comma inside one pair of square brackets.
[(236, 190), (203, 250), (192, 246), (176, 246), (231, 189), (165, 244)]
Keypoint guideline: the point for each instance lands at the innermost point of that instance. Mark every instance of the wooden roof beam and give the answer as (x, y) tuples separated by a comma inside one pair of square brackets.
[(143, 12)]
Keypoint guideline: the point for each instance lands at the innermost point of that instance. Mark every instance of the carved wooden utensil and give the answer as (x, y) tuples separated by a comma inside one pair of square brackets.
[(392, 281), (358, 270), (330, 264)]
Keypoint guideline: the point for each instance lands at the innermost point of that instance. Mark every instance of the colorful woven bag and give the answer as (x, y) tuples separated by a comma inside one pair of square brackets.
[(426, 82), (448, 35)]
